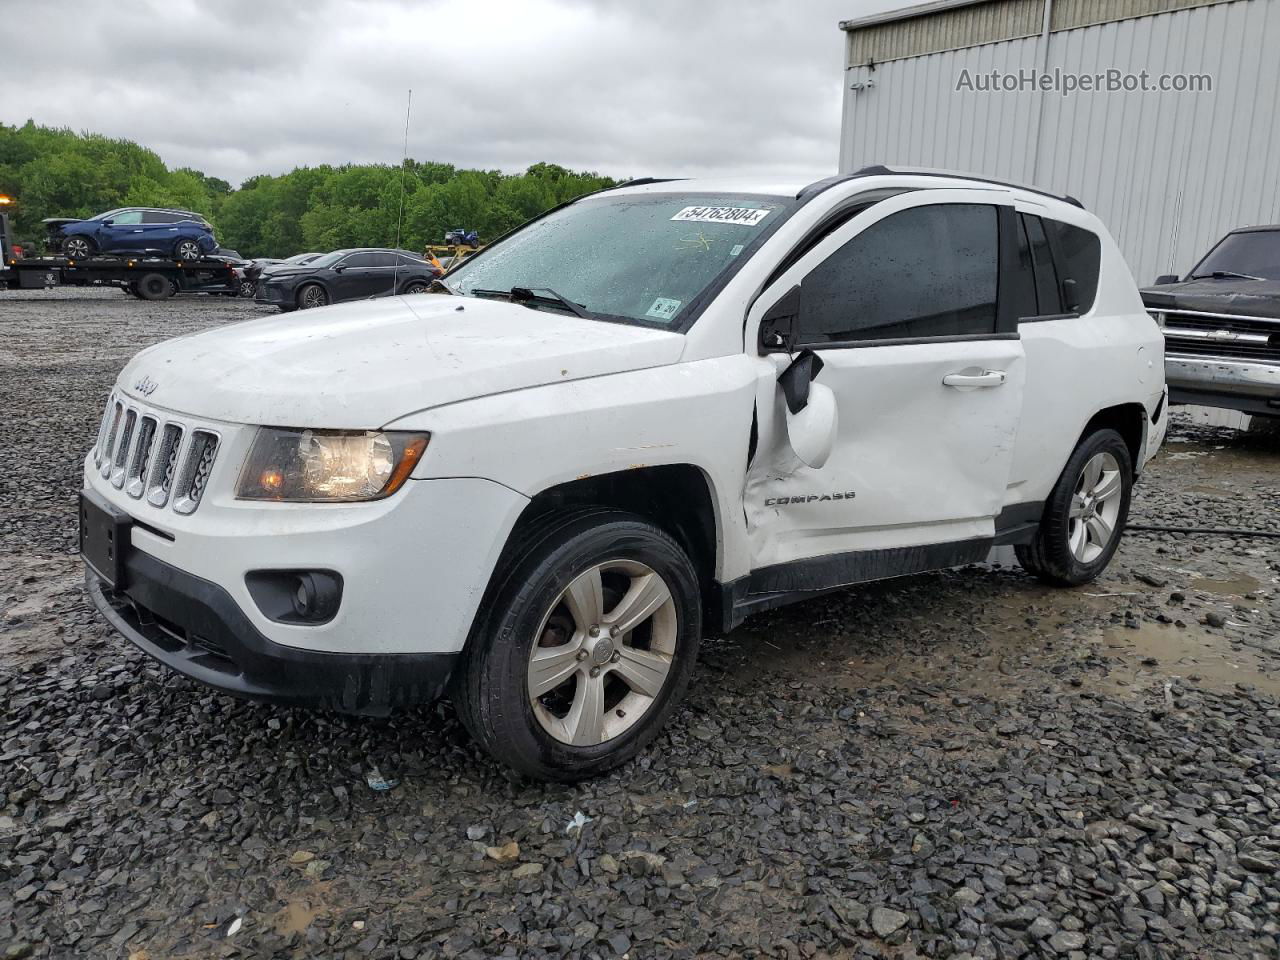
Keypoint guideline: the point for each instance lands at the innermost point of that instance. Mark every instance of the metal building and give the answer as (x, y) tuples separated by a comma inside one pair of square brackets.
[(1169, 171)]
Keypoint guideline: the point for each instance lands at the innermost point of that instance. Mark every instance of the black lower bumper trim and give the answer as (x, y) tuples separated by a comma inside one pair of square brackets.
[(193, 626)]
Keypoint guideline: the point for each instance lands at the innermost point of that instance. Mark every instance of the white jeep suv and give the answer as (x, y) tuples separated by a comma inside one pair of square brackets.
[(646, 414)]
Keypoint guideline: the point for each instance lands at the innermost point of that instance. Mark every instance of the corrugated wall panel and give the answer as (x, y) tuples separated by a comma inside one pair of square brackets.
[(1169, 173), (947, 30)]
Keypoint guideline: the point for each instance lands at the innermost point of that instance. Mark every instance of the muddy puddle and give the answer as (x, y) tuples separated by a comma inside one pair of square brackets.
[(1202, 656)]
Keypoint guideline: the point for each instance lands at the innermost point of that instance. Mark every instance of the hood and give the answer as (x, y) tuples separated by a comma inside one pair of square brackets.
[(361, 365), (281, 272), (57, 223), (1246, 298)]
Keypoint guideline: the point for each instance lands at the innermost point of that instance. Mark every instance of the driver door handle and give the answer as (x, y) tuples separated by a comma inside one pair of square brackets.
[(987, 378)]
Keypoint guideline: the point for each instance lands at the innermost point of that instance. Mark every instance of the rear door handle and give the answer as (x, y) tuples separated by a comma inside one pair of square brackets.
[(987, 378)]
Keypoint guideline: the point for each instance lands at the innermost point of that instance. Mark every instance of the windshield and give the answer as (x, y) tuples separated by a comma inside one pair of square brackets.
[(303, 257), (109, 213), (327, 259), (1256, 254), (642, 259)]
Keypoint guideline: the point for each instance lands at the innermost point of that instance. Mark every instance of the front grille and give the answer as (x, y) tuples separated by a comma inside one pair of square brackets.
[(152, 458), (1255, 339)]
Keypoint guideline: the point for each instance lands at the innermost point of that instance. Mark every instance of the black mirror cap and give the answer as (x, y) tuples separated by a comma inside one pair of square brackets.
[(1166, 278), (795, 380), (778, 325)]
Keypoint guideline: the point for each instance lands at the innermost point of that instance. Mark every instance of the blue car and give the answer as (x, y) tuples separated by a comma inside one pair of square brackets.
[(179, 234)]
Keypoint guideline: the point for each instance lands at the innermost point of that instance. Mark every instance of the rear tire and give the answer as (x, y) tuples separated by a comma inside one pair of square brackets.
[(154, 286), (77, 248), (414, 286), (248, 289), (1085, 514), (608, 692)]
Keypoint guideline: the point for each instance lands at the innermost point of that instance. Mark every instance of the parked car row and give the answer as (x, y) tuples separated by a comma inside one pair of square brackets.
[(356, 274)]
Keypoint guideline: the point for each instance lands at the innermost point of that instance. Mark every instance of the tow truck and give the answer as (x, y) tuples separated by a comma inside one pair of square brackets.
[(148, 278)]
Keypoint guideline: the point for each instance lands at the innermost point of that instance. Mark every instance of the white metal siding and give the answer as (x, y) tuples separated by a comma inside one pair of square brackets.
[(1169, 173)]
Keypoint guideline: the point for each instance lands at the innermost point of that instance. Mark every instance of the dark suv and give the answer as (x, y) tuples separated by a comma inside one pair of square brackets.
[(180, 234), (345, 275), (1222, 324)]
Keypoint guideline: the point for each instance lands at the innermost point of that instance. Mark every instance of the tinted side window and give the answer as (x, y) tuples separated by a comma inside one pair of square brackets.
[(411, 262), (925, 272), (1078, 254), (382, 259), (1047, 298), (361, 260)]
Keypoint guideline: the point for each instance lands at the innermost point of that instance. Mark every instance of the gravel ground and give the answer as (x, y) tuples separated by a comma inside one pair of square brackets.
[(964, 764)]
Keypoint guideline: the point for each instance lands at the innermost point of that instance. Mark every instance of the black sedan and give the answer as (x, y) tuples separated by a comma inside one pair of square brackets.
[(345, 275)]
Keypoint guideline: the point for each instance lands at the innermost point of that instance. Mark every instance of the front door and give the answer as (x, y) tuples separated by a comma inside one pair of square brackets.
[(901, 303), (124, 234), (364, 275)]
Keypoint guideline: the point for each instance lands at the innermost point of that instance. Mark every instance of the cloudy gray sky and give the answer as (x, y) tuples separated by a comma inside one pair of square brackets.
[(642, 87)]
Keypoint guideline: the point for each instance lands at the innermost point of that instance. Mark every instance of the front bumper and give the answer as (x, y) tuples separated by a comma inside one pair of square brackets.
[(193, 626), (1223, 382), (274, 294)]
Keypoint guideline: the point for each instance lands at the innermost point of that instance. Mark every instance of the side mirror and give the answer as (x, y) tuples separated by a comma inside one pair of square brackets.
[(1166, 278), (778, 325), (812, 415), (339, 268), (1071, 296), (107, 223)]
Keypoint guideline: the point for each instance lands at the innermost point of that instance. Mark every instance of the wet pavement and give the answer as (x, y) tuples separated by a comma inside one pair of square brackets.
[(964, 764)]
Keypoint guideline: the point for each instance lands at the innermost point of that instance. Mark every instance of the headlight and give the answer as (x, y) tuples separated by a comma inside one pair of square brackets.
[(328, 465)]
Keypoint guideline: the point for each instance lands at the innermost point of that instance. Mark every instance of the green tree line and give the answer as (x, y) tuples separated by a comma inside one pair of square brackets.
[(59, 173)]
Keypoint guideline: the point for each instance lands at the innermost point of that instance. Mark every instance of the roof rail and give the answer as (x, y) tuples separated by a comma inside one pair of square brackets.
[(879, 169)]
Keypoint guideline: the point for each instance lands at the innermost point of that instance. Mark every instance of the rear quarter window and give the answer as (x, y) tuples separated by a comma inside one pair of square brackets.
[(1078, 254)]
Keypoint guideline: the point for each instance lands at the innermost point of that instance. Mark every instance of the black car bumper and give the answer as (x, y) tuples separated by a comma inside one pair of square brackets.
[(195, 627), (274, 293)]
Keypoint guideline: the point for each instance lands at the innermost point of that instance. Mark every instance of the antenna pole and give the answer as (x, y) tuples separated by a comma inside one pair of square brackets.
[(404, 163)]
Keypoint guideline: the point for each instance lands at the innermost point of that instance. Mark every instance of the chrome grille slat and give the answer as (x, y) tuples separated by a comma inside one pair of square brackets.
[(164, 465), (197, 465), (117, 416), (135, 476), (99, 445), (124, 447)]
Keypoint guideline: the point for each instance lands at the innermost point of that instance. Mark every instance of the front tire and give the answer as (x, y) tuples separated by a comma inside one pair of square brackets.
[(186, 250), (589, 645), (311, 296), (1085, 514)]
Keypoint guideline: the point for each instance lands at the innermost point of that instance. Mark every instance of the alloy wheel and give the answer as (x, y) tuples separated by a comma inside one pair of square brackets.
[(313, 296), (188, 250), (1095, 507), (76, 248), (604, 653)]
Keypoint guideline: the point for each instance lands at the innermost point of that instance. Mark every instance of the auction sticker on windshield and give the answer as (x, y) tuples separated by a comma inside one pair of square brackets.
[(663, 308), (746, 216)]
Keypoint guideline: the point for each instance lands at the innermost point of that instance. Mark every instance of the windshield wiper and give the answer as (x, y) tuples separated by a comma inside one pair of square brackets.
[(543, 295), (1225, 275)]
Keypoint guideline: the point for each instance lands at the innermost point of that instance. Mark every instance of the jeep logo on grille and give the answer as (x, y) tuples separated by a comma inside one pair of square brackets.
[(146, 386)]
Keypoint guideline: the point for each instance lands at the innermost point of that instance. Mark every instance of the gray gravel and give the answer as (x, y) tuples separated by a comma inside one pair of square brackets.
[(955, 765)]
